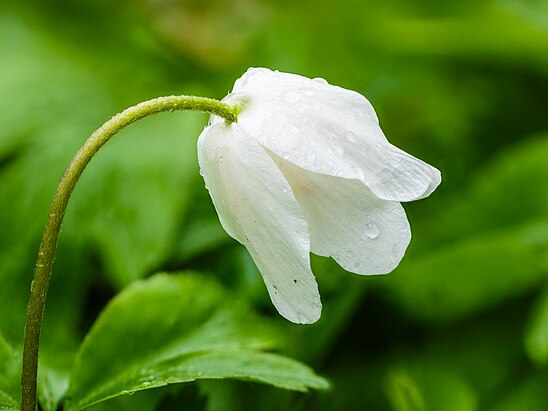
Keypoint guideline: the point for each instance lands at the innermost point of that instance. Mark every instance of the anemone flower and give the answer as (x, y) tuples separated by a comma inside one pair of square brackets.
[(306, 168)]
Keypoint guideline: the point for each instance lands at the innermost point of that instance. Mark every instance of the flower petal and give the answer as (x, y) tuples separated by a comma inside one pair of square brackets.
[(364, 234), (329, 130), (257, 207)]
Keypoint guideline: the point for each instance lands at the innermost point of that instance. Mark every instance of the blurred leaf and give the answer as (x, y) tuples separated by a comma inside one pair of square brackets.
[(536, 332), (342, 295), (194, 28), (10, 371), (141, 400), (52, 384), (173, 329), (201, 236), (13, 297), (508, 192), (528, 394), (490, 32), (473, 350), (136, 193), (129, 203), (403, 393), (427, 389), (221, 395), (468, 276), (202, 231), (490, 241)]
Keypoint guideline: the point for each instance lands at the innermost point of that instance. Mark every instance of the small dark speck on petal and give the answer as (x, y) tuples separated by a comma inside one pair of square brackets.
[(295, 281)]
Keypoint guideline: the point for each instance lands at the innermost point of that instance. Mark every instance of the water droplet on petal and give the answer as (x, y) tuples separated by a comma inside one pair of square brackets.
[(320, 80), (285, 189), (372, 230), (285, 155)]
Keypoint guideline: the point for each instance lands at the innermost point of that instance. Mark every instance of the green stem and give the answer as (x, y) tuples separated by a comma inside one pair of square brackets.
[(46, 254)]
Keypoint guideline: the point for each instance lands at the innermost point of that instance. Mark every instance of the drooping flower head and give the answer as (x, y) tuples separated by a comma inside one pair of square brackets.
[(306, 168)]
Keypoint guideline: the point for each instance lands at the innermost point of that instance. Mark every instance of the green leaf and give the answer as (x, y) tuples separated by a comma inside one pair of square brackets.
[(424, 388), (529, 394), (511, 191), (52, 385), (403, 393), (470, 275), (10, 371), (201, 236), (147, 400), (488, 244), (536, 333), (131, 203), (172, 329), (221, 395)]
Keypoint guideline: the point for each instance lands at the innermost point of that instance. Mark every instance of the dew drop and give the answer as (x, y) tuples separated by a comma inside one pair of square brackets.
[(285, 155), (320, 80), (372, 230), (285, 189)]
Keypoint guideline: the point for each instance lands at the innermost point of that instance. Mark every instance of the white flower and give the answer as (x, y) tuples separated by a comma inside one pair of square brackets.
[(306, 168)]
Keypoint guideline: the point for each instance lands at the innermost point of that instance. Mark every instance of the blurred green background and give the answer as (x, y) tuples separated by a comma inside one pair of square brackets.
[(460, 325)]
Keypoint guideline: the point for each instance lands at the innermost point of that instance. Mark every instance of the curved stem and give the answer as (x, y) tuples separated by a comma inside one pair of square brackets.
[(46, 254)]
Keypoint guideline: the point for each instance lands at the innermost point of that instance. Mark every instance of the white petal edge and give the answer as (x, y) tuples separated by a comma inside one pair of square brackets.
[(329, 130), (364, 234), (257, 207)]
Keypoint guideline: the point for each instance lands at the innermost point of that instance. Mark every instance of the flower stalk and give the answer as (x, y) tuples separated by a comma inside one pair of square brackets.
[(48, 246)]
